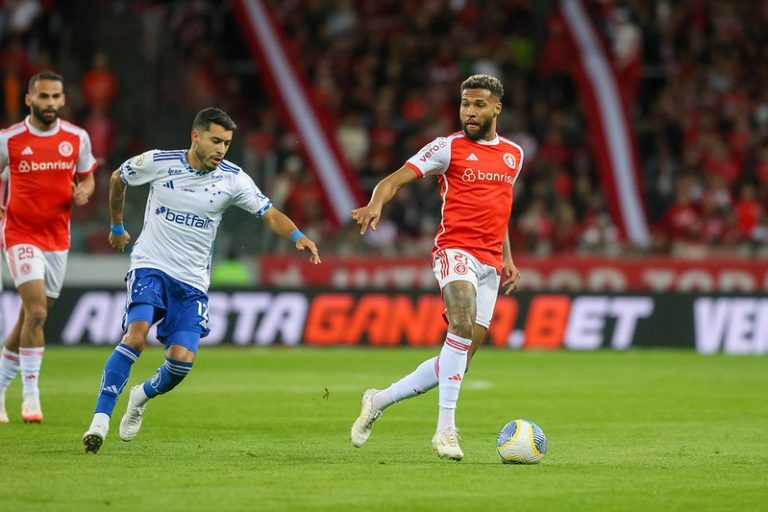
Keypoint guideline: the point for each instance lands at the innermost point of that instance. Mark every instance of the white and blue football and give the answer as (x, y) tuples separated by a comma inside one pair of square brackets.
[(521, 442)]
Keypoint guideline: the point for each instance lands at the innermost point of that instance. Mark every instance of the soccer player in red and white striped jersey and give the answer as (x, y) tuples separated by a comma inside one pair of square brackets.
[(477, 170)]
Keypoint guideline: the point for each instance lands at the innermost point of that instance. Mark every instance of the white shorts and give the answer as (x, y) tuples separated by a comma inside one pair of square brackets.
[(27, 263), (457, 265)]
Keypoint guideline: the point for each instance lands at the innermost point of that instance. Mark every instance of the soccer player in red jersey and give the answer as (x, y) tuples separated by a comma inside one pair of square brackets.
[(477, 170), (50, 166)]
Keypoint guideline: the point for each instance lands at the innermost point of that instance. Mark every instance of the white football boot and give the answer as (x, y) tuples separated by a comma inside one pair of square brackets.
[(131, 422), (446, 444), (361, 428), (95, 435), (31, 412)]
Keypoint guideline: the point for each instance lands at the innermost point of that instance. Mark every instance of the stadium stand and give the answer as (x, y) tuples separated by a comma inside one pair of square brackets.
[(694, 72)]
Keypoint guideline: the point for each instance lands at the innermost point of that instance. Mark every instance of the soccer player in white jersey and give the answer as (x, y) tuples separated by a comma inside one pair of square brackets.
[(477, 170), (170, 262)]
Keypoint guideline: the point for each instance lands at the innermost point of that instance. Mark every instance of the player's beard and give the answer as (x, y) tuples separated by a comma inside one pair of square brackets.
[(44, 115), (483, 130), (203, 159)]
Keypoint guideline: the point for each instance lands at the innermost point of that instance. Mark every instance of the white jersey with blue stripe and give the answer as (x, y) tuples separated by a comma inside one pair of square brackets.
[(184, 209)]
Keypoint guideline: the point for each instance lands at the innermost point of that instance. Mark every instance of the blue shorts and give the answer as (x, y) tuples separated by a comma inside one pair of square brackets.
[(181, 309)]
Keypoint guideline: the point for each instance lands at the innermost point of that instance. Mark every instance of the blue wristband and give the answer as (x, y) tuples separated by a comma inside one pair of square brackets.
[(117, 229), (296, 234)]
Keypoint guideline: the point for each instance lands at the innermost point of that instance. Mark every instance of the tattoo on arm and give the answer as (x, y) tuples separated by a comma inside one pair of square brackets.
[(116, 198)]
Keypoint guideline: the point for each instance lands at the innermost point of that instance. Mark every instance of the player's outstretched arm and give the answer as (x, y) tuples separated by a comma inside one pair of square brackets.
[(384, 191), (509, 271), (281, 225), (118, 236), (84, 188)]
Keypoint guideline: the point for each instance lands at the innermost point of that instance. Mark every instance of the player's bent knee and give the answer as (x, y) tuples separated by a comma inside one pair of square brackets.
[(135, 339), (182, 345), (36, 315), (136, 335), (180, 353)]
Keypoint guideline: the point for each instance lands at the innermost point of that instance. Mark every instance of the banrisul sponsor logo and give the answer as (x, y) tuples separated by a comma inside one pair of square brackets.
[(184, 218), (58, 165), (471, 175)]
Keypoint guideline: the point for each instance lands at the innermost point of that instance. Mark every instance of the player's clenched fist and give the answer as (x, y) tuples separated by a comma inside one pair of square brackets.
[(119, 241)]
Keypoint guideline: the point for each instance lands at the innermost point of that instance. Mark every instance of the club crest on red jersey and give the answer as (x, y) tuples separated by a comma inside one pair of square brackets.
[(66, 148)]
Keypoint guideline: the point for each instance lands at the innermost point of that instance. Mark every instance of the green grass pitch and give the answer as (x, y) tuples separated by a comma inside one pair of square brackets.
[(267, 429)]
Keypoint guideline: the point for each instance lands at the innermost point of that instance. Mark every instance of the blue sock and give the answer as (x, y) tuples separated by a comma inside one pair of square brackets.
[(167, 377), (115, 376)]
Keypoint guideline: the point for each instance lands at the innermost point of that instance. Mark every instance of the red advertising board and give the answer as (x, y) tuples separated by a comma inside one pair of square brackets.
[(562, 273)]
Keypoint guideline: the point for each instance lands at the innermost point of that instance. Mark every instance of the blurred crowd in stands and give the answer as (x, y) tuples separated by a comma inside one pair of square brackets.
[(388, 73)]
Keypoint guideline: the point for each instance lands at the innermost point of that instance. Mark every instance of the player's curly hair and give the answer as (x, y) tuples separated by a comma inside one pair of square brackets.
[(209, 115), (488, 82)]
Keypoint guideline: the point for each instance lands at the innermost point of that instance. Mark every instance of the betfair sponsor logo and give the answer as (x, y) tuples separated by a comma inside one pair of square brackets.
[(183, 218)]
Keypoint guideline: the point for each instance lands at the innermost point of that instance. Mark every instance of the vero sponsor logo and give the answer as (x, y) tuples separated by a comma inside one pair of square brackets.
[(430, 149)]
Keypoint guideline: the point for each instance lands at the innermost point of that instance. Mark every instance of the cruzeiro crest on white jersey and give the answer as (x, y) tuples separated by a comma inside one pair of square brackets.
[(184, 210)]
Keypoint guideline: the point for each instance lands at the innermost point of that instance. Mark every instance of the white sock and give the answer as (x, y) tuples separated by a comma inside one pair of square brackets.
[(446, 418), (453, 362), (141, 397), (30, 359), (100, 420), (419, 381), (9, 367)]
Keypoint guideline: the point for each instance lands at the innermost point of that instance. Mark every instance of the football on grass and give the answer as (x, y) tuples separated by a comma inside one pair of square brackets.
[(521, 442)]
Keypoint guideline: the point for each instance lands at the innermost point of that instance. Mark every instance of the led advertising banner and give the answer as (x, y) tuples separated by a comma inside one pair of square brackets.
[(707, 323)]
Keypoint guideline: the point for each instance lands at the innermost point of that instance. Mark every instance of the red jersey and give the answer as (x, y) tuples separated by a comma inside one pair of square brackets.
[(476, 185), (41, 168)]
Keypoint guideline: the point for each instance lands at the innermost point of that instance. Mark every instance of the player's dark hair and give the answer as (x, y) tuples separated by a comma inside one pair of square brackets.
[(45, 75), (209, 115), (488, 82)]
